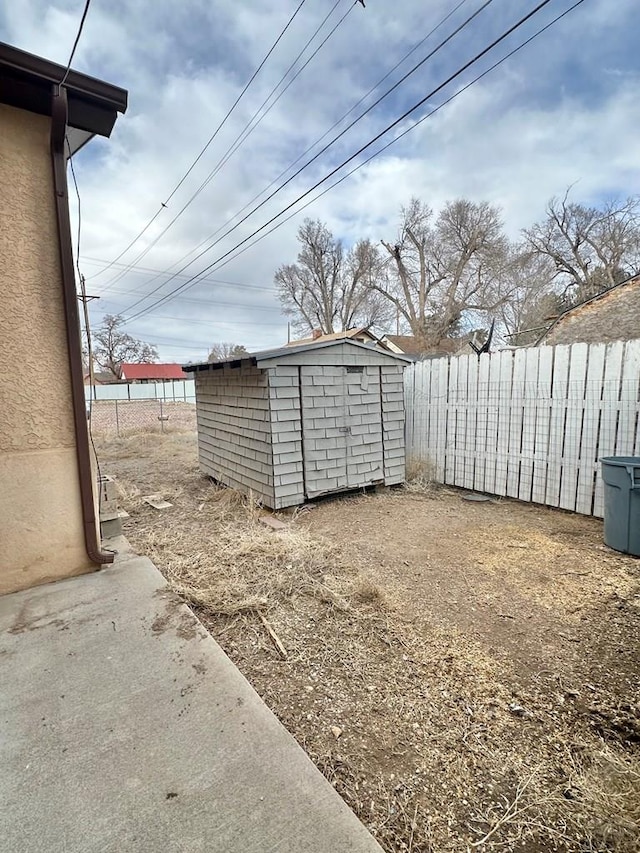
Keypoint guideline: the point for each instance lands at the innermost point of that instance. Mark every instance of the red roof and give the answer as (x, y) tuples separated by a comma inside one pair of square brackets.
[(152, 371)]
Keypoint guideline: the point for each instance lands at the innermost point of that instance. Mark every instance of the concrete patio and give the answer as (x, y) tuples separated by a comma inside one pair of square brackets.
[(124, 727)]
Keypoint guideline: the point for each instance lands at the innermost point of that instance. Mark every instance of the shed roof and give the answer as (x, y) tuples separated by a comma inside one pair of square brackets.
[(288, 353), (152, 371), (28, 81)]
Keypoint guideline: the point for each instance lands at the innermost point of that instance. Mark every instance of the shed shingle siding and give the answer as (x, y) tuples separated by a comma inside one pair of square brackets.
[(393, 424), (297, 425), (234, 430), (286, 440)]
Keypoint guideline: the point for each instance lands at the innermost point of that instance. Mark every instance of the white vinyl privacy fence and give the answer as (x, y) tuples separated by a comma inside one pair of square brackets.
[(531, 424), (181, 391)]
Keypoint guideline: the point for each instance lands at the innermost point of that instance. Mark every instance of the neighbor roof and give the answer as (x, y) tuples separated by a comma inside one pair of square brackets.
[(334, 336), (255, 358), (407, 343), (597, 298), (410, 345), (152, 371), (28, 81)]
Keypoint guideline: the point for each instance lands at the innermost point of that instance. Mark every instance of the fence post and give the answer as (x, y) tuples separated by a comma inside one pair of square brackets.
[(117, 420), (161, 417)]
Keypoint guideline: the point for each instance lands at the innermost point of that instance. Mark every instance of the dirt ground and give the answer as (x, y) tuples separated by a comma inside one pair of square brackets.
[(465, 674)]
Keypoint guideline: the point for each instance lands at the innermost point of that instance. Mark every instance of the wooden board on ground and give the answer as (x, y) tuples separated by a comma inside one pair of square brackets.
[(272, 522), (156, 501)]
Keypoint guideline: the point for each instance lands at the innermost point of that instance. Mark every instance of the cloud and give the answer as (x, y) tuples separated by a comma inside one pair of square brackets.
[(560, 112)]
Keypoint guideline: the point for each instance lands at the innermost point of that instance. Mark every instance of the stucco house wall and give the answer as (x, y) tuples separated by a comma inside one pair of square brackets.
[(612, 316), (41, 527)]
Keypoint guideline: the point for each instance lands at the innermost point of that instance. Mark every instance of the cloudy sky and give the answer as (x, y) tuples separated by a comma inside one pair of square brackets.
[(562, 111)]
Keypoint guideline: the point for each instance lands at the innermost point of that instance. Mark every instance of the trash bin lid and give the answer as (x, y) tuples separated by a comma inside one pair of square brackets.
[(622, 461)]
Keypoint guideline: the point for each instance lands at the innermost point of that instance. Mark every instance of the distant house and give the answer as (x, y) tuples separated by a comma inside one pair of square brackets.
[(610, 316), (100, 378), (412, 347), (144, 373), (361, 334)]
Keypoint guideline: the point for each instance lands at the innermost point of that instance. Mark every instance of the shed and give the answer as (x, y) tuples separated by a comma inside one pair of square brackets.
[(299, 422)]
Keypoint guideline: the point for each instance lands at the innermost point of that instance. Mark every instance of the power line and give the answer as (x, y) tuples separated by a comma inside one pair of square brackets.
[(211, 138), (75, 44), (394, 140), (248, 129), (136, 270), (217, 302), (210, 323), (363, 148), (314, 144), (279, 189)]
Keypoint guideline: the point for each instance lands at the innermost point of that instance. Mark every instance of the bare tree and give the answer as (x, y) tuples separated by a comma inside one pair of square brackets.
[(591, 248), (113, 347), (222, 351), (329, 288), (445, 269), (530, 295)]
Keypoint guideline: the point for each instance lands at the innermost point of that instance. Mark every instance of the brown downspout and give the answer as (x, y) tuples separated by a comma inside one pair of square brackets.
[(74, 344)]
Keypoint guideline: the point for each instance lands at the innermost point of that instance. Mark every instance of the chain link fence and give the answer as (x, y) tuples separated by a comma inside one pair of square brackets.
[(120, 418)]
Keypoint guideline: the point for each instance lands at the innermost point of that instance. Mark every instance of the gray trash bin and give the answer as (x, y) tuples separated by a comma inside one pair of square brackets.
[(621, 477)]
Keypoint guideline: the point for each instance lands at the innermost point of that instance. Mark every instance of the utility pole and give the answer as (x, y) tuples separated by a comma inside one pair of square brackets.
[(82, 296)]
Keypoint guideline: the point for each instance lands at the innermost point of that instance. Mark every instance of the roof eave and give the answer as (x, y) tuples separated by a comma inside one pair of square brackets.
[(260, 359), (28, 81)]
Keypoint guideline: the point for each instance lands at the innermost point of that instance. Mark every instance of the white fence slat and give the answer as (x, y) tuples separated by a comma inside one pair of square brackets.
[(543, 418), (169, 391), (460, 475), (531, 423), (493, 391), (516, 409), (459, 433), (111, 392), (573, 426), (442, 386), (588, 463), (471, 456), (425, 393), (481, 444), (421, 396), (609, 414), (451, 420), (432, 430), (504, 410), (626, 439), (557, 423), (410, 412), (529, 404)]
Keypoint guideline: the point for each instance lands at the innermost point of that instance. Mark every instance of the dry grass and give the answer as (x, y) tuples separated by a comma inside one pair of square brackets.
[(246, 566), (439, 747), (421, 477)]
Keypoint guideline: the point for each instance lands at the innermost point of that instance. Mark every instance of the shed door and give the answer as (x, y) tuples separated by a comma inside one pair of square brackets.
[(342, 428)]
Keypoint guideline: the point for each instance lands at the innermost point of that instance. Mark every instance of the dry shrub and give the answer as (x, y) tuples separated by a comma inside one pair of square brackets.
[(420, 476), (129, 496), (231, 563), (605, 785)]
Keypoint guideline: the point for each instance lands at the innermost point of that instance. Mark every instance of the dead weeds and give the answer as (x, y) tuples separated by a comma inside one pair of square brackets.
[(419, 724)]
